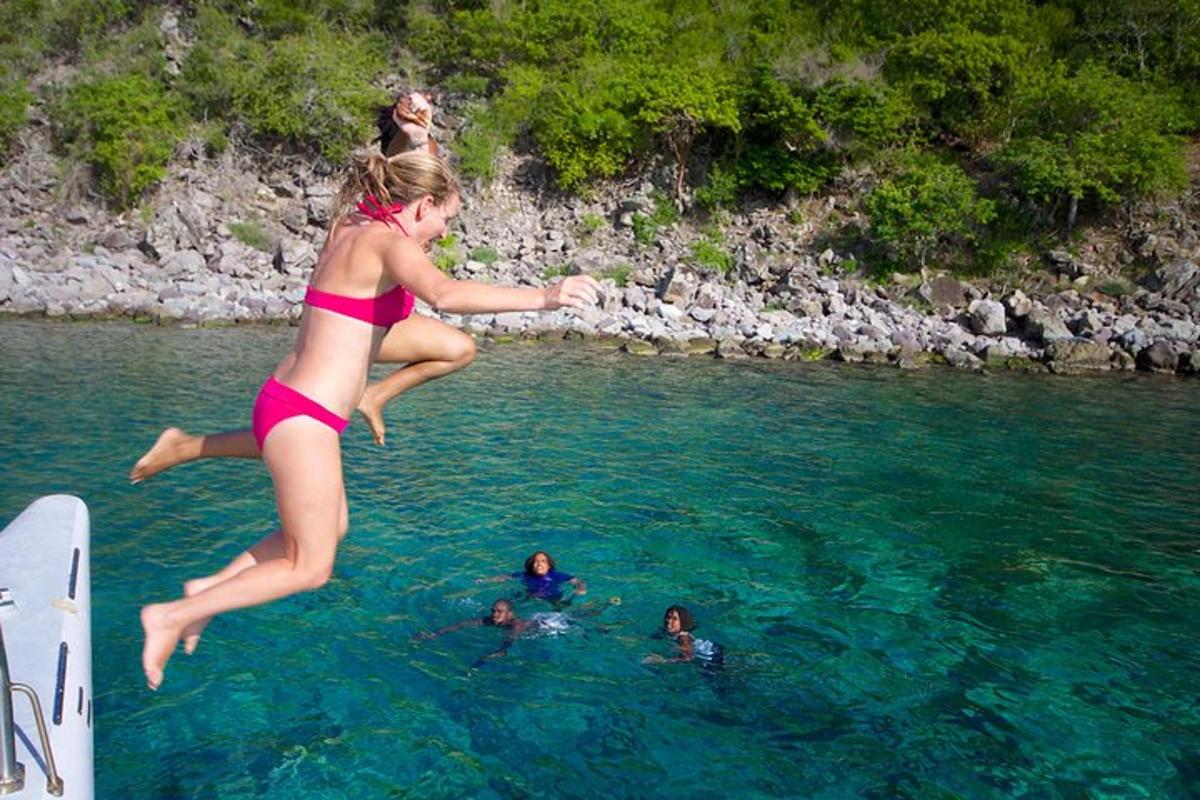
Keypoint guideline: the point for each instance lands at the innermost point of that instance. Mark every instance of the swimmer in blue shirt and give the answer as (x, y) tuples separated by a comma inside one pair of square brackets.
[(542, 580), (677, 626)]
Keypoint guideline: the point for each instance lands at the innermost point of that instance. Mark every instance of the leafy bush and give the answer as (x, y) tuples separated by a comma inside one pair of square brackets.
[(466, 83), (14, 110), (311, 90), (125, 127), (485, 255), (1092, 134), (251, 233), (644, 229), (927, 203), (720, 189), (619, 274), (708, 253), (592, 222)]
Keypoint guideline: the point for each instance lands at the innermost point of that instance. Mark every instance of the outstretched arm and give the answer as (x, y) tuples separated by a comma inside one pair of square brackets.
[(467, 623), (408, 265), (580, 585), (494, 579)]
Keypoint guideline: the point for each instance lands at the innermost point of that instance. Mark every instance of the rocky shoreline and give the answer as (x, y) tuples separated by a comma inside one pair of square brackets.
[(225, 241)]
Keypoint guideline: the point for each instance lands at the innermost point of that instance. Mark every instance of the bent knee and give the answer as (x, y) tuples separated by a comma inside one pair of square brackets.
[(313, 577), (462, 350)]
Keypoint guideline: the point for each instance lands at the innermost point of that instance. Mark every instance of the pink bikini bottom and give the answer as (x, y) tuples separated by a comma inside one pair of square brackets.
[(277, 402)]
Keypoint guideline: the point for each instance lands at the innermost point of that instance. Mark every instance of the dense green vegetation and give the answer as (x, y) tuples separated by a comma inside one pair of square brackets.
[(985, 124)]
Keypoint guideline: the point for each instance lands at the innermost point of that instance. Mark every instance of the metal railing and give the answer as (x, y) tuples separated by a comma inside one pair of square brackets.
[(12, 772)]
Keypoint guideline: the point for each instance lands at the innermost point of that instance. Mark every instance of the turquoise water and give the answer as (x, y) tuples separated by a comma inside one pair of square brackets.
[(928, 584)]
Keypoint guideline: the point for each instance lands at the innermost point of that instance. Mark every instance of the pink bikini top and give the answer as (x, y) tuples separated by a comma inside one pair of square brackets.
[(385, 310)]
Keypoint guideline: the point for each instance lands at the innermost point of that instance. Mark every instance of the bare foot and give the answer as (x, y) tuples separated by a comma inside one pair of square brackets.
[(162, 456), (191, 634), (373, 414), (161, 639)]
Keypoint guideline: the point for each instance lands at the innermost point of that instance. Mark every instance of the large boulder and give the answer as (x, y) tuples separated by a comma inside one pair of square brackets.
[(678, 287), (1158, 357), (986, 317), (1044, 326), (944, 292), (1077, 355), (1179, 280)]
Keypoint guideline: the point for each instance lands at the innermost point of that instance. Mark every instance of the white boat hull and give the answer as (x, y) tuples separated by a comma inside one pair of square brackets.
[(46, 617)]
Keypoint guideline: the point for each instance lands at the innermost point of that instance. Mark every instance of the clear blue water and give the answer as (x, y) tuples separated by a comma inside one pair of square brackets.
[(928, 584)]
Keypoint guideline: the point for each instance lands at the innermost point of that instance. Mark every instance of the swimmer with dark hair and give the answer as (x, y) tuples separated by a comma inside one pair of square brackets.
[(504, 616), (677, 626), (542, 580)]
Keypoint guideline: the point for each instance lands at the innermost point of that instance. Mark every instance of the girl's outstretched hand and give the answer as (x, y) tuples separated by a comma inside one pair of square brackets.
[(576, 291)]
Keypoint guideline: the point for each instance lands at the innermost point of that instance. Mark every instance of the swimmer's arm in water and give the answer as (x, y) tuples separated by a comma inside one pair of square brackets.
[(495, 579), (467, 623), (580, 585), (686, 653), (408, 265)]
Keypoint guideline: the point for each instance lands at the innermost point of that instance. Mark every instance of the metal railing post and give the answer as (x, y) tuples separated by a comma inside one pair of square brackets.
[(12, 773)]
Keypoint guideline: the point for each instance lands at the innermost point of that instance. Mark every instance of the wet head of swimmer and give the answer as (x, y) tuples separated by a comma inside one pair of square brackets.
[(677, 619), (539, 564), (502, 613)]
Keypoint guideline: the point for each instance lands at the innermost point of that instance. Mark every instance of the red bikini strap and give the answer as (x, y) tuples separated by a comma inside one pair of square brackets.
[(371, 208)]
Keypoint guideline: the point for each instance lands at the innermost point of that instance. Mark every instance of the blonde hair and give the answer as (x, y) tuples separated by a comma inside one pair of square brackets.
[(403, 178)]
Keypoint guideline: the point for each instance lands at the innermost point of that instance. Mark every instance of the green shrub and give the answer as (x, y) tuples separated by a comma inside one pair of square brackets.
[(592, 222), (644, 229), (708, 253), (619, 273), (926, 204), (467, 83), (1116, 287), (14, 110), (1092, 135), (313, 89), (556, 271), (445, 253), (485, 255), (251, 233), (125, 127), (720, 189)]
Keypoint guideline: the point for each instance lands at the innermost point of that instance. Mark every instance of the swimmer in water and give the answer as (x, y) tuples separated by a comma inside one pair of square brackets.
[(542, 580), (677, 626), (504, 616)]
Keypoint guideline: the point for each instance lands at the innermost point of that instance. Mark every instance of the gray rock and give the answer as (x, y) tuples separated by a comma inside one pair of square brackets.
[(6, 282), (94, 287), (636, 297), (701, 314), (183, 262), (944, 292), (1158, 357), (730, 348), (591, 261), (1044, 326), (1189, 362), (961, 359), (1076, 355), (986, 317), (118, 239), (679, 287), (1179, 280), (1134, 340), (1087, 323), (644, 276)]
